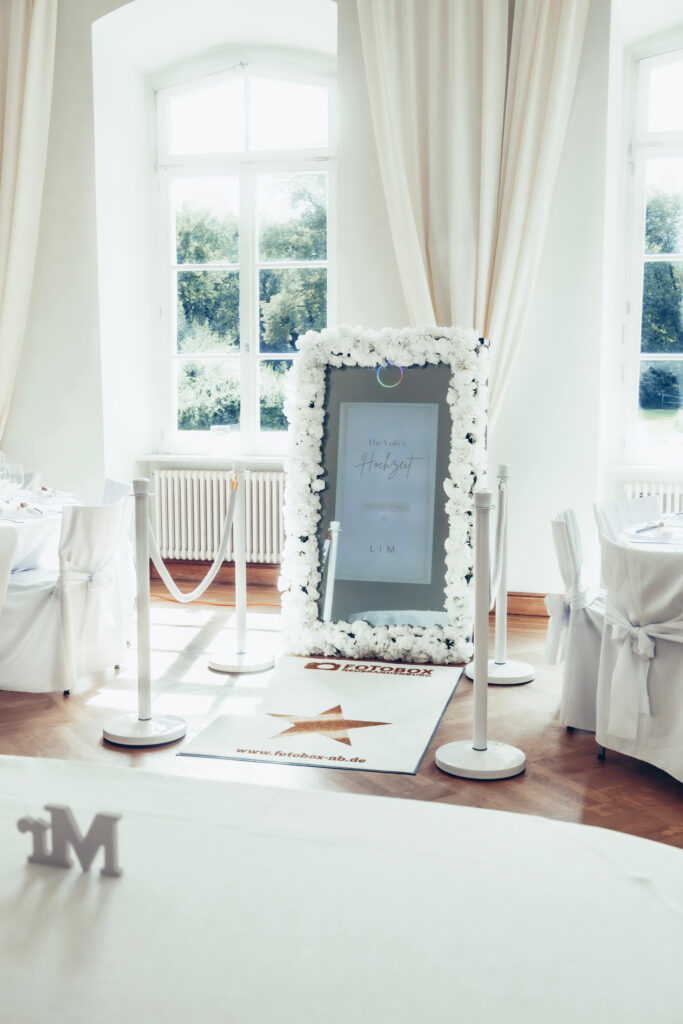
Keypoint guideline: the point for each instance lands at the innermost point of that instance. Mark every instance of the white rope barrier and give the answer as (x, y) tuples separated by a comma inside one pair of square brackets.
[(143, 729), (481, 758), (195, 594), (501, 671), (501, 527), (330, 548)]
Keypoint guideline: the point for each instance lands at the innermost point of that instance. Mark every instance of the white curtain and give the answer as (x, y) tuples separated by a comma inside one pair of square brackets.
[(27, 52), (470, 113)]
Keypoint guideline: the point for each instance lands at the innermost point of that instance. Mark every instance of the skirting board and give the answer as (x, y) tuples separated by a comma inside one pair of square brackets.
[(520, 603), (259, 575)]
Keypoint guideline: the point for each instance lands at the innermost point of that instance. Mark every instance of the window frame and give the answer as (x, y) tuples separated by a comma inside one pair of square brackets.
[(246, 165), (643, 145)]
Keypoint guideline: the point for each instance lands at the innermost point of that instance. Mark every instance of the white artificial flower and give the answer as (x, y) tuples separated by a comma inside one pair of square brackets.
[(304, 405)]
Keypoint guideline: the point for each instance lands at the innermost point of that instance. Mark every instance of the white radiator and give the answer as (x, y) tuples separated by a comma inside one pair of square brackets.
[(189, 511), (670, 492)]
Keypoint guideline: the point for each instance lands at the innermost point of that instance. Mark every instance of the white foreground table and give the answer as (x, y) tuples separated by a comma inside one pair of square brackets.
[(246, 904)]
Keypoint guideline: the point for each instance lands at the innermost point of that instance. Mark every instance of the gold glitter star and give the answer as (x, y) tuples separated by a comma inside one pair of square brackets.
[(331, 724)]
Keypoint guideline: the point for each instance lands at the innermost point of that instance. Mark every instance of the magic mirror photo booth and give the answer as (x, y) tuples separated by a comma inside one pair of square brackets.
[(239, 902)]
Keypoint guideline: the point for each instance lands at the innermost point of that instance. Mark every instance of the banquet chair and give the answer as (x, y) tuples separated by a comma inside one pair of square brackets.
[(113, 491), (575, 627), (58, 625), (640, 682), (612, 517), (8, 546)]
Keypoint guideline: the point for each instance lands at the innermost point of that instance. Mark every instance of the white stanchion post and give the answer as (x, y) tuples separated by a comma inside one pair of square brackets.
[(502, 672), (142, 730), (481, 758), (331, 570), (237, 658), (240, 557)]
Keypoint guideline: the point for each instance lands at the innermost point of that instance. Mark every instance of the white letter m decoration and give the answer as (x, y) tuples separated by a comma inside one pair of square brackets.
[(65, 833)]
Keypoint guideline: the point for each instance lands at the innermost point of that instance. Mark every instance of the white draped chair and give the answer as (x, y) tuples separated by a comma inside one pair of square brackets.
[(8, 546), (113, 491), (612, 517), (575, 627), (640, 683), (58, 625)]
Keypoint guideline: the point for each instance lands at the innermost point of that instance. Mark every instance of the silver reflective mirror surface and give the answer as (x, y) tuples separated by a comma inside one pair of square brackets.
[(385, 456)]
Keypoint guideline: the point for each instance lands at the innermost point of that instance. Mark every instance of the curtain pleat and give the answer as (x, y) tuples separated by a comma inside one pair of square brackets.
[(469, 140), (27, 51)]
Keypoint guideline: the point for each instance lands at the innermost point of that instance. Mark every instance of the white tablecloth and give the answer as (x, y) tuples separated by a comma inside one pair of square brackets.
[(38, 540), (38, 525), (667, 536), (249, 904)]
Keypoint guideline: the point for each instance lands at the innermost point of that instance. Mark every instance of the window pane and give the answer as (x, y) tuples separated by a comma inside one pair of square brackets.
[(291, 303), (286, 115), (659, 434), (206, 219), (272, 391), (292, 216), (208, 120), (208, 394), (662, 327), (664, 219), (208, 310), (665, 111)]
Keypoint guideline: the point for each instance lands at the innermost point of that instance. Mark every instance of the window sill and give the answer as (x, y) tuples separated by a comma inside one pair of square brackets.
[(195, 460), (644, 471)]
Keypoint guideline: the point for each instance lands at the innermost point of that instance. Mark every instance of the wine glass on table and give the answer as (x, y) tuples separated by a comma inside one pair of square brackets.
[(15, 478)]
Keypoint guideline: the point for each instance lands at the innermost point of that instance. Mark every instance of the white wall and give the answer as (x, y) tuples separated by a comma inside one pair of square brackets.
[(56, 418), (549, 428), (132, 335), (60, 419)]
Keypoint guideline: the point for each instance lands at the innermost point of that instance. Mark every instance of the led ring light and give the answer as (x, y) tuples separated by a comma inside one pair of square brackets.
[(381, 382)]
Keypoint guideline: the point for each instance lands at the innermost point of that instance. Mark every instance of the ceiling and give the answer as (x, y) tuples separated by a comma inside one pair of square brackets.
[(155, 34), (640, 19)]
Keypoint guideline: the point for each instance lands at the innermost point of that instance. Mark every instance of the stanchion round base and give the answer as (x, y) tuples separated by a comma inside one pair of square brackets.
[(498, 761), (237, 662), (130, 731), (509, 673)]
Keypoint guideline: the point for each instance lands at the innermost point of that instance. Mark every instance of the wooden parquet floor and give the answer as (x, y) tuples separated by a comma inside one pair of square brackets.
[(564, 779)]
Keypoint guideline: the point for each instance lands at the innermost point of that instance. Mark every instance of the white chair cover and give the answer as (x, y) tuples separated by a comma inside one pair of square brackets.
[(612, 517), (8, 547), (57, 626), (113, 491), (640, 683), (575, 627)]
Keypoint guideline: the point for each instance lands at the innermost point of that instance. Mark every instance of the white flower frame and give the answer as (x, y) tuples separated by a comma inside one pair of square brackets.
[(301, 577)]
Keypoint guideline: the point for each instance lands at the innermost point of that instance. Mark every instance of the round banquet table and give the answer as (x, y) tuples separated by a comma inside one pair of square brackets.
[(664, 535), (37, 539), (245, 903)]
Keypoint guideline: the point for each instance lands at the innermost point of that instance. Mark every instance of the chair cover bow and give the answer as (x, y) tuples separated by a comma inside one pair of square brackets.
[(71, 576), (559, 609), (629, 695), (642, 643), (97, 618), (556, 637)]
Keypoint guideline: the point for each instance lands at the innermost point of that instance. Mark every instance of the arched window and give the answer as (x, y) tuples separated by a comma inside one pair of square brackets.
[(245, 161), (656, 300)]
